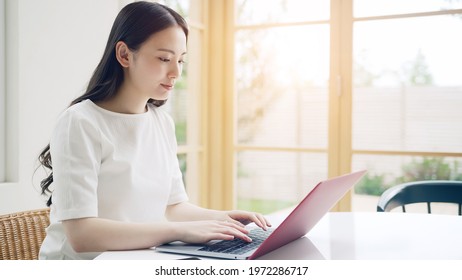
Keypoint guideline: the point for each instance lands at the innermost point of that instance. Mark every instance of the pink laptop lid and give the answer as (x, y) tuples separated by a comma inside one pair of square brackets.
[(309, 211)]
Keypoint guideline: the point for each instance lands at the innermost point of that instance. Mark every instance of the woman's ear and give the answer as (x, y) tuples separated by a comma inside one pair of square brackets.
[(122, 53)]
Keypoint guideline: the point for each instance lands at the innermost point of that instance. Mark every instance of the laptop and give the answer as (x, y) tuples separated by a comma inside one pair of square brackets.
[(297, 224)]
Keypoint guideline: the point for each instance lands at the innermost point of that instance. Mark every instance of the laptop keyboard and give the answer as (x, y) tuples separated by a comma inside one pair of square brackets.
[(238, 246)]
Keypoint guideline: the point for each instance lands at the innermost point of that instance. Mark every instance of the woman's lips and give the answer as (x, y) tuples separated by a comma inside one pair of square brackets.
[(167, 87)]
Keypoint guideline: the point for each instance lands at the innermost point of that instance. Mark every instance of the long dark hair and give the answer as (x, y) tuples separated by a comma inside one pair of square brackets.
[(134, 24)]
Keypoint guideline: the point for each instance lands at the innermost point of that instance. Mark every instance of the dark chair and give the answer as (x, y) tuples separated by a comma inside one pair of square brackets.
[(421, 192)]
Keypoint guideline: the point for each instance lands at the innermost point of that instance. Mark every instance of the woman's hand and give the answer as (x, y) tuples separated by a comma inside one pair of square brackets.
[(205, 231), (199, 225), (243, 218)]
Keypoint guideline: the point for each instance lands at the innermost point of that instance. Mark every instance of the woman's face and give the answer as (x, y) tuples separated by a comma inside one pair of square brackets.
[(157, 65)]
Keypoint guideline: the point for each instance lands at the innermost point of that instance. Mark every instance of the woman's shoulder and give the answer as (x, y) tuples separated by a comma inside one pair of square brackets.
[(77, 114), (161, 114), (82, 110), (76, 121)]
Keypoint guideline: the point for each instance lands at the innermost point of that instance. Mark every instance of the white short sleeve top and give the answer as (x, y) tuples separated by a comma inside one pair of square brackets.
[(116, 166)]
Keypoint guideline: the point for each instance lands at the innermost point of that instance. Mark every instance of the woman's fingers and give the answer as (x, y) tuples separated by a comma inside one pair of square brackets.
[(205, 231), (248, 217), (236, 230), (228, 229), (263, 221), (236, 222)]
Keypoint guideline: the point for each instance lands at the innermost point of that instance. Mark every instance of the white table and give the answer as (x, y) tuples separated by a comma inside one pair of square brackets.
[(356, 236)]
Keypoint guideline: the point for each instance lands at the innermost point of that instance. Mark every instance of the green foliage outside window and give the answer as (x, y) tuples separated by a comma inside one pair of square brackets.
[(428, 168), (371, 185)]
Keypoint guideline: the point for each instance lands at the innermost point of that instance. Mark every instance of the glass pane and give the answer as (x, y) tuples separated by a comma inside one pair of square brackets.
[(194, 74), (249, 12), (367, 8), (191, 10), (176, 106), (386, 171), (407, 86), (180, 6), (183, 102), (282, 86), (270, 181), (195, 11)]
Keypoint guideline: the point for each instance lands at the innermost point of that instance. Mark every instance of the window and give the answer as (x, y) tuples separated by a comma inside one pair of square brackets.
[(321, 88), (407, 92), (185, 102), (281, 79), (279, 94)]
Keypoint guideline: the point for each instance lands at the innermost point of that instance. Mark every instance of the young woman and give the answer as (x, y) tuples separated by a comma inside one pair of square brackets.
[(116, 179)]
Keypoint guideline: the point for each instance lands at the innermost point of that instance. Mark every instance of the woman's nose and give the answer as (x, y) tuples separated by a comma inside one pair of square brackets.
[(175, 72)]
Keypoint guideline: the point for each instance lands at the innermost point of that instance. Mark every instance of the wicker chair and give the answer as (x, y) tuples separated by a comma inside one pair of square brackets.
[(22, 234)]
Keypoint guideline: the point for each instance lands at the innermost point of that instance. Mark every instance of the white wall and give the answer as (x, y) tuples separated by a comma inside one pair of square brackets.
[(53, 47)]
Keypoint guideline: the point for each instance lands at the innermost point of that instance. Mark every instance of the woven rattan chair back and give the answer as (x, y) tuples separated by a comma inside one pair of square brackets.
[(22, 234)]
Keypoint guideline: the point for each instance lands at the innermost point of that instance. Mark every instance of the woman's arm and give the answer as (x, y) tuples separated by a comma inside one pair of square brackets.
[(185, 211), (97, 235)]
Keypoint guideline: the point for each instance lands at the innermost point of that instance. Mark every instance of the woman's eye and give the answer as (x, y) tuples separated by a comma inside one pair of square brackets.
[(164, 59)]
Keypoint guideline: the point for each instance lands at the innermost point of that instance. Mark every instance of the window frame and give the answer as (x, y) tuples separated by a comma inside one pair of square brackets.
[(340, 152)]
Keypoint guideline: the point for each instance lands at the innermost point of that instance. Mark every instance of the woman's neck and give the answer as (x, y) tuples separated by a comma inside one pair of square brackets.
[(125, 103)]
